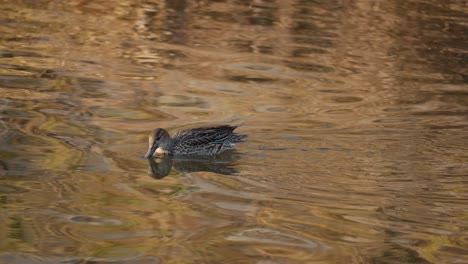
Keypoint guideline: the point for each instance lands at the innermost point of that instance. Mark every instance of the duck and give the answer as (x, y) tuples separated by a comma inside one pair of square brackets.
[(201, 141)]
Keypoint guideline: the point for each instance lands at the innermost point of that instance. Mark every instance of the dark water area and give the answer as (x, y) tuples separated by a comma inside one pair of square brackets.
[(356, 111)]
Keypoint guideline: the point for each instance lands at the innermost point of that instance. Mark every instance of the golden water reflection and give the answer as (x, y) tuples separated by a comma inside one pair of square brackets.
[(356, 113), (161, 167)]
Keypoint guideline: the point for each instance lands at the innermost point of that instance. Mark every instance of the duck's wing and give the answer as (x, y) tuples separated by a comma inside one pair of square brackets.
[(204, 135)]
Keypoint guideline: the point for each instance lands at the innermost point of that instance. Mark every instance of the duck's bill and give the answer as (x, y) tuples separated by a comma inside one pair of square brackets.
[(151, 151)]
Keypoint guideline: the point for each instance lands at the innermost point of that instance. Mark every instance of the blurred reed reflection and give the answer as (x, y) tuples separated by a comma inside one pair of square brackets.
[(223, 163)]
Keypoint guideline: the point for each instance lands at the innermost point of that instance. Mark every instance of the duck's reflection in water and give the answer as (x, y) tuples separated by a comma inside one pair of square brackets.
[(160, 167)]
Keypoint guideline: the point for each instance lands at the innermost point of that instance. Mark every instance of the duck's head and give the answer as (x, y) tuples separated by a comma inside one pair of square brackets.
[(158, 142)]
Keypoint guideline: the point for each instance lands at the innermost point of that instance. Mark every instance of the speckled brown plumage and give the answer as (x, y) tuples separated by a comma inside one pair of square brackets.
[(195, 141)]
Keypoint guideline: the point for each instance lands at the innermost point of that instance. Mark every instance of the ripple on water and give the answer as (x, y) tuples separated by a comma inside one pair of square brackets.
[(274, 243), (269, 236), (120, 113), (94, 220), (8, 257), (8, 189), (272, 73), (346, 99), (182, 101), (332, 98), (272, 109)]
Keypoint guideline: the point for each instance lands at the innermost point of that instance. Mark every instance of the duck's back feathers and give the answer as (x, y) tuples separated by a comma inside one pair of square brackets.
[(205, 140)]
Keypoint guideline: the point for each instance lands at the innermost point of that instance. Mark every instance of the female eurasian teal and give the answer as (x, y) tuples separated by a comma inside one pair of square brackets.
[(195, 141)]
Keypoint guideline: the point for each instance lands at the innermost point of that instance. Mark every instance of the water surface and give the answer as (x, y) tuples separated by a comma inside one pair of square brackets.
[(356, 113)]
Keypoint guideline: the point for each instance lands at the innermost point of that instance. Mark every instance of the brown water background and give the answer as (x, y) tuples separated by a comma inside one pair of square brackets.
[(357, 115)]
